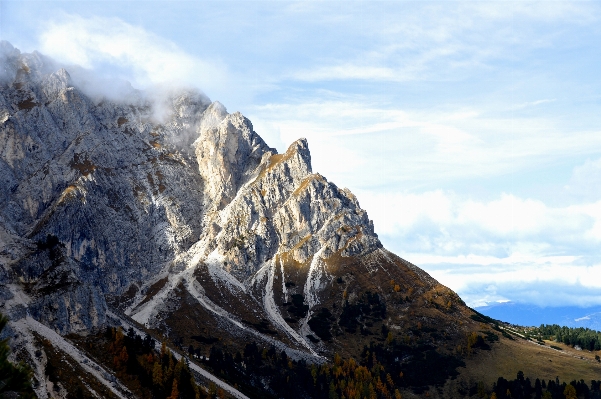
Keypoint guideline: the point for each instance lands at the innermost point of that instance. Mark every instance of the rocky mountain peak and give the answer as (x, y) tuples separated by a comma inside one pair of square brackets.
[(178, 214), (55, 83), (212, 116), (227, 153)]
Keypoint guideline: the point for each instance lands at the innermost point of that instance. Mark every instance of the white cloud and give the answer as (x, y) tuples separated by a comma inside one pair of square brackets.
[(110, 45), (520, 277), (408, 148), (445, 40), (546, 11), (533, 103), (586, 180), (507, 217), (395, 212), (350, 71), (495, 250)]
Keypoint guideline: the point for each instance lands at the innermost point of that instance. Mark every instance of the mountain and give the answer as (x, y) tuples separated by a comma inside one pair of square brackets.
[(532, 315), (170, 216)]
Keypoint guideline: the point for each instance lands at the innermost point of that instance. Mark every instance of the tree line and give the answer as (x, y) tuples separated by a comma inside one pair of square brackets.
[(585, 338), (523, 388)]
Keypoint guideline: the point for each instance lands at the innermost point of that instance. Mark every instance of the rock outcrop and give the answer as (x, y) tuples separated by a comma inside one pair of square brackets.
[(181, 219), (125, 196)]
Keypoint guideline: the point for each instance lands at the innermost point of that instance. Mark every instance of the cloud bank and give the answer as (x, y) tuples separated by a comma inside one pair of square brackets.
[(509, 248), (115, 52)]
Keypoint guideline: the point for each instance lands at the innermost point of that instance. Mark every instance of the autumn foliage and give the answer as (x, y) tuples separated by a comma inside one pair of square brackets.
[(154, 374)]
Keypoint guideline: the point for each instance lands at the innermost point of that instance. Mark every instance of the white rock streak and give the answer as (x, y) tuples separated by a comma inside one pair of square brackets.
[(314, 280), (272, 310), (28, 324), (196, 290), (147, 310), (215, 266)]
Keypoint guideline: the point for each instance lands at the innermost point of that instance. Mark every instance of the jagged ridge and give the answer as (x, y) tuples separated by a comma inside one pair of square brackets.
[(191, 225)]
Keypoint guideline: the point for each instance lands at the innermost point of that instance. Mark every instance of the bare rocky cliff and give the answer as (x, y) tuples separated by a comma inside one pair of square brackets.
[(189, 224)]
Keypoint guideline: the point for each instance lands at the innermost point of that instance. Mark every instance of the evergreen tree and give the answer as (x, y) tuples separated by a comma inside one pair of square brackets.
[(157, 374), (538, 389), (174, 390)]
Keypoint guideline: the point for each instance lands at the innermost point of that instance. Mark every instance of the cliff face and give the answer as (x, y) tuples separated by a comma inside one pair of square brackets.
[(94, 199), (189, 223)]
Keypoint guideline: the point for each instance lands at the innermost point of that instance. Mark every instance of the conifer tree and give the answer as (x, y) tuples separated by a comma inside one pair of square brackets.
[(174, 390), (157, 374)]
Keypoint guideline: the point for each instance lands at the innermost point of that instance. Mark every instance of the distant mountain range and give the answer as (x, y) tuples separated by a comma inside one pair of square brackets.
[(531, 315)]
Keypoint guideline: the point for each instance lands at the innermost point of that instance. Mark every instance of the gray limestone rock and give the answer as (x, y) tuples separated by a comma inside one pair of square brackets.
[(100, 198)]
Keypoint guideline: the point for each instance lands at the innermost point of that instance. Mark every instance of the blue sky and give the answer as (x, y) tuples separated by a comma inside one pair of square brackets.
[(470, 131)]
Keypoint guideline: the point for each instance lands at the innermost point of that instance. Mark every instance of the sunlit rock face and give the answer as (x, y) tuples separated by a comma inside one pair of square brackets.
[(99, 199)]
